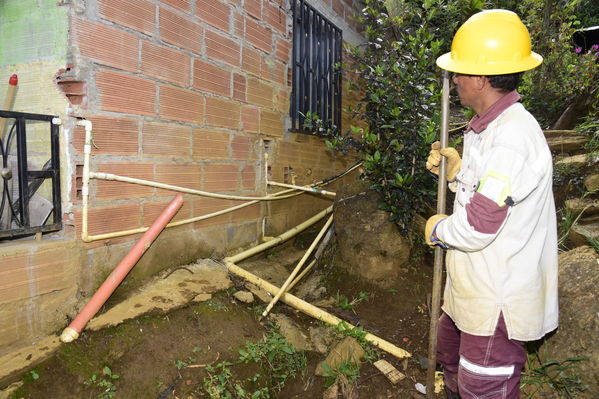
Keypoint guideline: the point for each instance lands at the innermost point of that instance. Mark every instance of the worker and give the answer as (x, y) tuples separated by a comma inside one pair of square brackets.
[(501, 239)]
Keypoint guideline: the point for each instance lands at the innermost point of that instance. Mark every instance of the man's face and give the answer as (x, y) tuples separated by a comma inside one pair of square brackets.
[(466, 85)]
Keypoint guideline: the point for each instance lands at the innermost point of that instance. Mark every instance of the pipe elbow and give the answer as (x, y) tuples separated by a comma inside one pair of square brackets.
[(69, 335), (86, 124)]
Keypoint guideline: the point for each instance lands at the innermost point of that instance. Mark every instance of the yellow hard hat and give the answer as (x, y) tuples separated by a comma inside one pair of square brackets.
[(491, 42)]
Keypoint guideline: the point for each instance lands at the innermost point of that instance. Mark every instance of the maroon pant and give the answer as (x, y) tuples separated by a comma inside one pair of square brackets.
[(480, 367)]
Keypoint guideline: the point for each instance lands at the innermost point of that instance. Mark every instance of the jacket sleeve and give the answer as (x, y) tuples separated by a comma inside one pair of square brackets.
[(507, 177)]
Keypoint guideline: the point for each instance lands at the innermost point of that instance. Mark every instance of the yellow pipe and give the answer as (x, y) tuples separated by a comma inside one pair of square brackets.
[(111, 176), (312, 310), (299, 266), (303, 188), (285, 236), (85, 184)]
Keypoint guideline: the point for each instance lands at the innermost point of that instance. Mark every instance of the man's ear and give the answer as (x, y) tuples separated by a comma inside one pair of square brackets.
[(482, 82)]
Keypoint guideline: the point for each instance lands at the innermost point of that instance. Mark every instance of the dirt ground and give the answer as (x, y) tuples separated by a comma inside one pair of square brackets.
[(162, 356)]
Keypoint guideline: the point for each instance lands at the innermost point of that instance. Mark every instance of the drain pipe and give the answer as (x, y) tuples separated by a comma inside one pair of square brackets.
[(87, 149), (72, 332)]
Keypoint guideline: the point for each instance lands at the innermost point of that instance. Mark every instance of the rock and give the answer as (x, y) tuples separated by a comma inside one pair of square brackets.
[(291, 331), (7, 392), (577, 205), (321, 338), (565, 140), (579, 317), (259, 292), (369, 245), (347, 350), (202, 298), (331, 392), (577, 161), (244, 296), (584, 230), (310, 288), (591, 183)]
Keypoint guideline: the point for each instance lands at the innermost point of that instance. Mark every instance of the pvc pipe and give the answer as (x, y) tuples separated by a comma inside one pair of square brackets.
[(9, 99), (438, 263), (120, 271), (111, 176), (87, 149), (299, 266), (285, 236), (312, 310), (317, 255), (303, 188)]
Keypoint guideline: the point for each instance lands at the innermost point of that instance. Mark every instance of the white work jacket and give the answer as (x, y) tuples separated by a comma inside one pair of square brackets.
[(514, 270)]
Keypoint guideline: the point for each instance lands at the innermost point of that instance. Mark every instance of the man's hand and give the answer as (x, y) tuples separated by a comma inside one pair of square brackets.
[(454, 162), (429, 230)]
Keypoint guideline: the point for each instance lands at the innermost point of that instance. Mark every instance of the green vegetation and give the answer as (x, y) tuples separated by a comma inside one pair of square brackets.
[(105, 382), (275, 362), (344, 303), (559, 377)]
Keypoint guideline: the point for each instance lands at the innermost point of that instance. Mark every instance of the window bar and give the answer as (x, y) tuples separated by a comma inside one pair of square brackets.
[(23, 173)]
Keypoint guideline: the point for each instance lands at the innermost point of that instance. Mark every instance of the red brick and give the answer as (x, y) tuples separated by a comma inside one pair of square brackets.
[(248, 177), (210, 144), (113, 218), (182, 5), (253, 8), (151, 211), (239, 86), (275, 16), (273, 71), (25, 276), (166, 139), (125, 93), (164, 63), (258, 35), (214, 13), (205, 205), (181, 105), (250, 119), (283, 50), (212, 78), (222, 113), (259, 93), (105, 44), (182, 175), (180, 31), (135, 14), (271, 123), (251, 61), (219, 47), (115, 136), (220, 177), (250, 212), (238, 24), (281, 100), (106, 189), (242, 148)]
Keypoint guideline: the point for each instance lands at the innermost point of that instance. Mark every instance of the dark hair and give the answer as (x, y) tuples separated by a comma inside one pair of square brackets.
[(505, 83)]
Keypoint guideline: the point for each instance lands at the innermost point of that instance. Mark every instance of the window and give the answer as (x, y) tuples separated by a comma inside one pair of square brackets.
[(30, 173), (316, 77)]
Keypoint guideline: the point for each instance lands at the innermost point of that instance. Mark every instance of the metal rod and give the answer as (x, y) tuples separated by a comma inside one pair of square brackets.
[(438, 263)]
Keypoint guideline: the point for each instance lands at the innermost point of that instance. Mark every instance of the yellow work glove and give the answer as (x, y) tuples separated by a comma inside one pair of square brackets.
[(429, 231), (454, 162)]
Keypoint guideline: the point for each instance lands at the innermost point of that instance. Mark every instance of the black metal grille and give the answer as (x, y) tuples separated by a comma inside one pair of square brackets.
[(317, 45), (22, 210)]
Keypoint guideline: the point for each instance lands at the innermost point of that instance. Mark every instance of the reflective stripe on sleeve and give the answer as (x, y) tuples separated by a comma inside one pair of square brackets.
[(496, 187), (492, 371)]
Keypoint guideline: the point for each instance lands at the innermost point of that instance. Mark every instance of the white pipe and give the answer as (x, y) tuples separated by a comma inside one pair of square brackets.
[(317, 255), (298, 267), (302, 188), (86, 175)]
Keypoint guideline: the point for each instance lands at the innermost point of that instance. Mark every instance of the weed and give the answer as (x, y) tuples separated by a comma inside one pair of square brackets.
[(559, 376), (104, 382), (393, 291), (179, 364), (594, 243), (34, 374), (217, 305), (359, 335), (276, 361), (344, 303)]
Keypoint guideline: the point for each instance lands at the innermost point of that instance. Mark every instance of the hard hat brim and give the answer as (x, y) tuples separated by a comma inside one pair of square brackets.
[(472, 68)]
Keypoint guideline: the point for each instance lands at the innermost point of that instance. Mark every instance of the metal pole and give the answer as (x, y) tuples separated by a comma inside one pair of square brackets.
[(438, 265)]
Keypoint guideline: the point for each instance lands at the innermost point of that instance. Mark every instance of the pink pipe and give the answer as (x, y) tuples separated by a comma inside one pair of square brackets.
[(72, 332)]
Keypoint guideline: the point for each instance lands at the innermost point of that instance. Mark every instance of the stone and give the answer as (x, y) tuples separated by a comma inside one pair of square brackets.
[(591, 183), (579, 321), (331, 392), (259, 292), (577, 205), (292, 332), (584, 230), (369, 245), (347, 350), (321, 338), (244, 296), (8, 392), (565, 140)]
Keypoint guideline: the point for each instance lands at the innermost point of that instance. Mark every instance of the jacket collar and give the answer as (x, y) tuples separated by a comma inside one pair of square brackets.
[(480, 122)]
